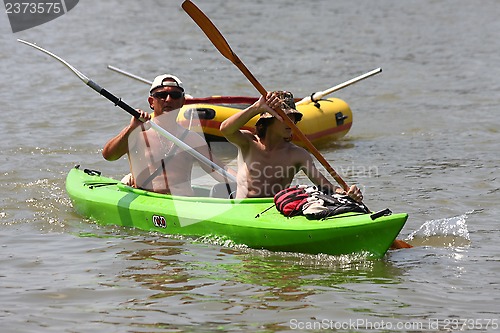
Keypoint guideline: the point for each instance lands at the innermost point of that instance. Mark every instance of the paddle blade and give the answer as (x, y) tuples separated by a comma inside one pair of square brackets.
[(219, 41), (210, 30), (221, 44), (400, 244)]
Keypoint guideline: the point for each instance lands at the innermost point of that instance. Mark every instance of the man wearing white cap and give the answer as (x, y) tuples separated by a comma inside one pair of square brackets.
[(168, 169)]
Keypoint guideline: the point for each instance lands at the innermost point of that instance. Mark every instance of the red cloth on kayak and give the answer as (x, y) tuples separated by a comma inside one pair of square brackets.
[(291, 200)]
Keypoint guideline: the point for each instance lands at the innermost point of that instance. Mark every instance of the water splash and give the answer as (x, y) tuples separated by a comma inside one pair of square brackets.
[(447, 232), (220, 241)]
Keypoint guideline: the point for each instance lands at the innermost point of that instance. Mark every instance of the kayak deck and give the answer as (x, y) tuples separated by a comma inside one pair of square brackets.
[(248, 221)]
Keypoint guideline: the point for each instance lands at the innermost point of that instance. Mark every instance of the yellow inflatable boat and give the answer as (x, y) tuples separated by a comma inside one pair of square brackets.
[(323, 121)]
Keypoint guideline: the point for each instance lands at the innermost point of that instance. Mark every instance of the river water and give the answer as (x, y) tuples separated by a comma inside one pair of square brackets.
[(424, 141)]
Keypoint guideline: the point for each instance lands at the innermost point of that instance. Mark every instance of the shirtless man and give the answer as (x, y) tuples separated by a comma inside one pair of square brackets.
[(268, 160), (159, 165)]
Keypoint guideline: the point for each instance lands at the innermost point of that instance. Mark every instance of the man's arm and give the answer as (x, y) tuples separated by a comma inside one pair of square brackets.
[(230, 127), (118, 146), (323, 183), (315, 175)]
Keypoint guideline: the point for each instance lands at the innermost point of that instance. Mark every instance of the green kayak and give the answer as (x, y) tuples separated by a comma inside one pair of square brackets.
[(252, 222)]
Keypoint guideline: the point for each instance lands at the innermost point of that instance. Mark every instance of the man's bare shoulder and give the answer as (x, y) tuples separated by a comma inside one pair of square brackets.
[(249, 136), (298, 153), (292, 147)]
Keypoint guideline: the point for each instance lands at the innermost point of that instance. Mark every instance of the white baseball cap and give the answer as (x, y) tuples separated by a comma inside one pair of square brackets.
[(166, 80)]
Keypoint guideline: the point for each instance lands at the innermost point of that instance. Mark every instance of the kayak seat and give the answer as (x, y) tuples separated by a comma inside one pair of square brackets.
[(223, 190)]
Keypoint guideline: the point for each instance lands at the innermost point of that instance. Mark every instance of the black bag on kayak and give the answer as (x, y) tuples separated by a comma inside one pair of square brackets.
[(314, 204), (321, 205)]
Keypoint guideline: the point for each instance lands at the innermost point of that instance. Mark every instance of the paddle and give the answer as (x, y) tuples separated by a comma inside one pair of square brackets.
[(313, 98), (221, 44), (319, 95), (118, 102), (138, 78)]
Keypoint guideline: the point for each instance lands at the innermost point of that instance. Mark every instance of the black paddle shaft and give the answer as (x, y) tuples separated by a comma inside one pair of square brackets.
[(116, 100)]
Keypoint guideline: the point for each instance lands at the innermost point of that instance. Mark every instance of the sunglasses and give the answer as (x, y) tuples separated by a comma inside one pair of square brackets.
[(164, 94)]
